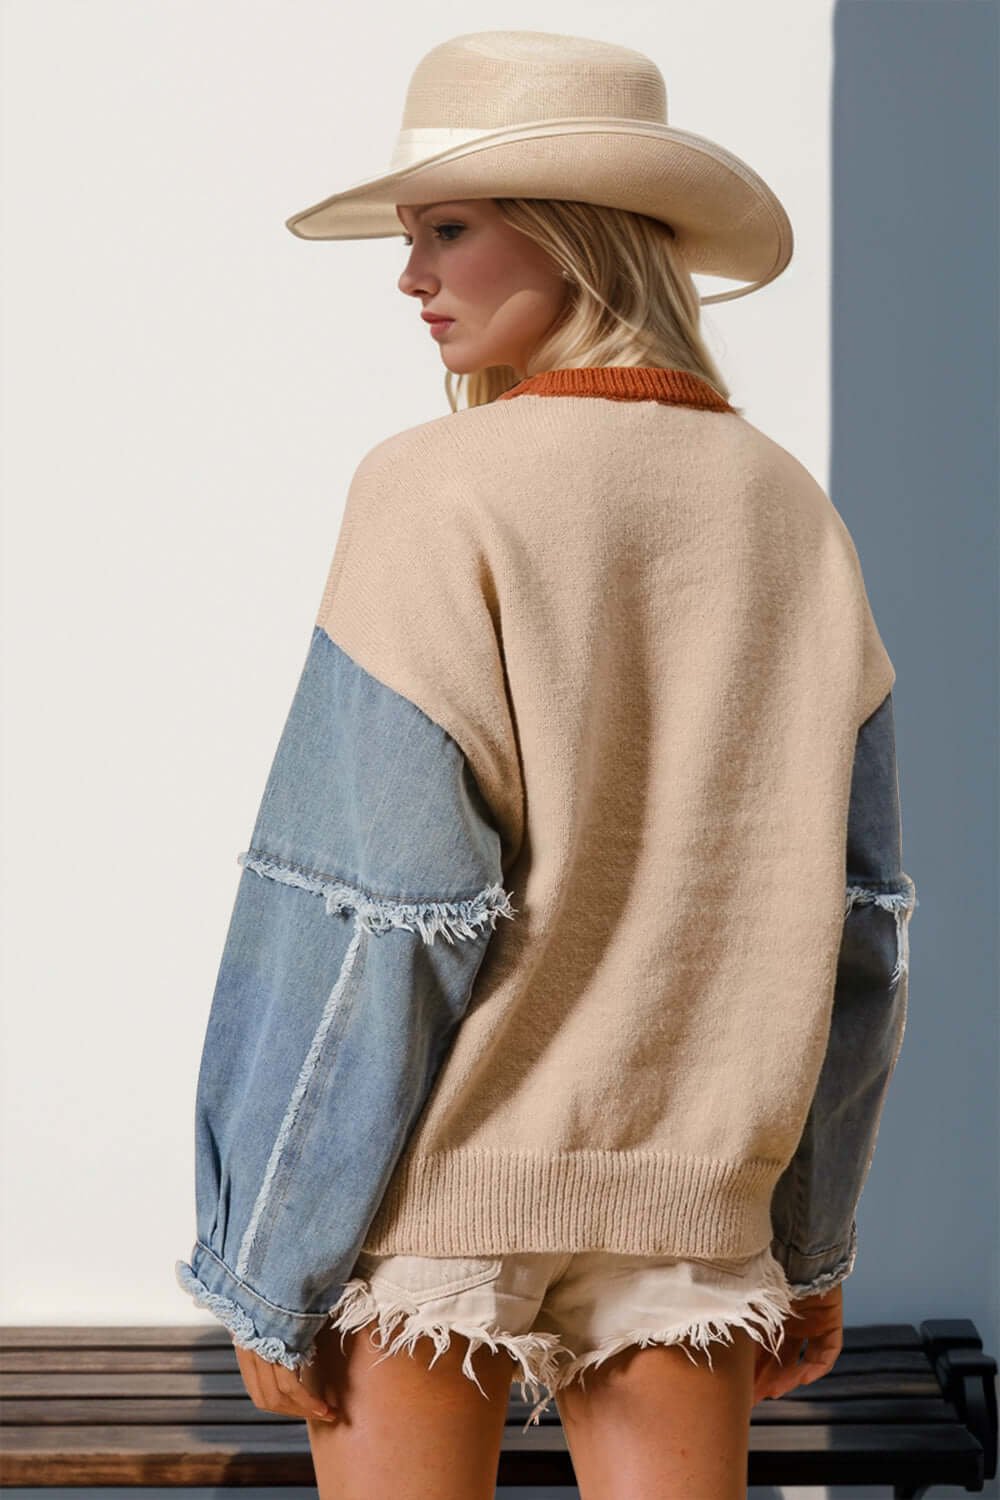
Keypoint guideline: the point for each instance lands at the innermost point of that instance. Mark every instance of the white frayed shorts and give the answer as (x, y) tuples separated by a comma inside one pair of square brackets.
[(558, 1314)]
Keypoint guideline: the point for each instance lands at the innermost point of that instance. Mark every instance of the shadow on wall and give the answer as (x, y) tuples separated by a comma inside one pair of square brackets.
[(914, 322)]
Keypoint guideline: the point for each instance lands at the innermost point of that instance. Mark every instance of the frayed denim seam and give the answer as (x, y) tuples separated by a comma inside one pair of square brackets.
[(898, 897), (330, 1010), (238, 1321), (832, 1278), (451, 918), (829, 1279), (454, 919)]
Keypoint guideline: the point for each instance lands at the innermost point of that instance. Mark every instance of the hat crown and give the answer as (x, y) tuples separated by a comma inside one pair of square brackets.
[(540, 114), (489, 80)]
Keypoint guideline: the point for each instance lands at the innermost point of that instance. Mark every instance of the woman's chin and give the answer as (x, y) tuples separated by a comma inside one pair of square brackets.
[(471, 362), (459, 364), (465, 361)]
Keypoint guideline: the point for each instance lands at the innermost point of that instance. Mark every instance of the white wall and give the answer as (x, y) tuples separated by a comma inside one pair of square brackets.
[(187, 389)]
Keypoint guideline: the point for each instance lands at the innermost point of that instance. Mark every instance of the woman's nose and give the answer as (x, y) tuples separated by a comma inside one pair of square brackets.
[(415, 279)]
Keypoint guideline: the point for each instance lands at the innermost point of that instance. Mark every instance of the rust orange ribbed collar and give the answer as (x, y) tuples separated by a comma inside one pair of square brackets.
[(623, 383)]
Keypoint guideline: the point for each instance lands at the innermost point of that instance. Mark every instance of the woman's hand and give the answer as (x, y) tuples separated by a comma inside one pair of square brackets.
[(819, 1320), (286, 1392)]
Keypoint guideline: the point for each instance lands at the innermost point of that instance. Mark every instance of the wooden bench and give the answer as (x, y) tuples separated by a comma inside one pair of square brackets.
[(167, 1406)]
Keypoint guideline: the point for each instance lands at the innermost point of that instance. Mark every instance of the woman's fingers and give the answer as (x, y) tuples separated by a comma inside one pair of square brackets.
[(248, 1369), (274, 1388), (794, 1366), (315, 1382), (818, 1323), (773, 1375), (300, 1402)]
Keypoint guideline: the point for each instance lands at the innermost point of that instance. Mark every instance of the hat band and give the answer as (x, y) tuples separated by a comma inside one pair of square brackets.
[(412, 146)]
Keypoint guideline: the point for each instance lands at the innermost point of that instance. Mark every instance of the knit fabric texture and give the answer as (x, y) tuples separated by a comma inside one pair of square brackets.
[(645, 624)]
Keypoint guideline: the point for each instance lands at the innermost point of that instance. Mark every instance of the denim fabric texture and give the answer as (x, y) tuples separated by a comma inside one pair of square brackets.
[(815, 1201), (367, 898), (368, 895)]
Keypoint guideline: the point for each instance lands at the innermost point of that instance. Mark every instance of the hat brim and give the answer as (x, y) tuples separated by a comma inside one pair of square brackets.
[(726, 219)]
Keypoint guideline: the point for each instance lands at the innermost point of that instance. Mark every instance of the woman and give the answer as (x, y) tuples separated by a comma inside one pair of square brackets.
[(596, 641)]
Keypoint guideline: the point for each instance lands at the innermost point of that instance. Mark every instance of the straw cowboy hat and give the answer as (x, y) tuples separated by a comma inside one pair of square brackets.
[(534, 114)]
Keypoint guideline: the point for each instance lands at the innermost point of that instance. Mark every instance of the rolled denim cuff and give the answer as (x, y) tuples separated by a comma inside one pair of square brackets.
[(809, 1275), (276, 1334)]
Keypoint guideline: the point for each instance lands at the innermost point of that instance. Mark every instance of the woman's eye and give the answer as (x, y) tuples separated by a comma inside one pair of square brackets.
[(438, 229)]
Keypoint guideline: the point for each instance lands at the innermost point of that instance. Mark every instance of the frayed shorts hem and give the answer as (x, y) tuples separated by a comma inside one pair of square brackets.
[(543, 1358)]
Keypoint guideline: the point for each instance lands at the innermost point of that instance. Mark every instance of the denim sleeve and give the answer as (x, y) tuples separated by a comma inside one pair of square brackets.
[(367, 899), (813, 1210)]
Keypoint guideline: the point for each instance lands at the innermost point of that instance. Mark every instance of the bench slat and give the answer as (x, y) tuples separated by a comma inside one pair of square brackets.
[(167, 1406), (53, 1385), (191, 1413), (112, 1336), (279, 1452), (267, 1454), (142, 1361), (176, 1361), (213, 1335)]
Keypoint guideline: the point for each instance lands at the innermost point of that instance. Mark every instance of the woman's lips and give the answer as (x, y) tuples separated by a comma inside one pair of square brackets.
[(439, 326)]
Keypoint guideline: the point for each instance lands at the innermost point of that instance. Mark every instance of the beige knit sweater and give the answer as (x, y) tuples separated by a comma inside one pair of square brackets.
[(646, 626)]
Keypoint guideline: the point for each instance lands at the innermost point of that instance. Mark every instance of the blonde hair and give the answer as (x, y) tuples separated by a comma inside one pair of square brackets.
[(630, 299)]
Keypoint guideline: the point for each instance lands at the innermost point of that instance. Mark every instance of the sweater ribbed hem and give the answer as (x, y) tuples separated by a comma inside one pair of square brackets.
[(474, 1202), (623, 383)]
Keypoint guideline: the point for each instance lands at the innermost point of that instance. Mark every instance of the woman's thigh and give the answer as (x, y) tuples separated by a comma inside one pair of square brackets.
[(640, 1421), (649, 1422), (658, 1398), (404, 1428)]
